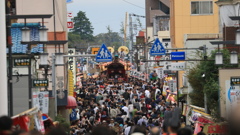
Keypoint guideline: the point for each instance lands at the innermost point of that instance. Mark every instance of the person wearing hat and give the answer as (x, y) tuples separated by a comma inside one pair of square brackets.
[(111, 124)]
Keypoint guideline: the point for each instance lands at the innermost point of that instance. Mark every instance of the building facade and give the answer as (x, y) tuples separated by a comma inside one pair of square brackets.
[(57, 43), (192, 17)]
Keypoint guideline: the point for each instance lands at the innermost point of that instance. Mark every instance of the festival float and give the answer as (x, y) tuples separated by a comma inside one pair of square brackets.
[(117, 70)]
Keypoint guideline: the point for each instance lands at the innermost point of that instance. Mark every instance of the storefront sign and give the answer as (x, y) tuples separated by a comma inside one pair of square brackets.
[(177, 66), (160, 73), (22, 62), (40, 83), (43, 101), (177, 55), (235, 81), (169, 73), (71, 71), (172, 85)]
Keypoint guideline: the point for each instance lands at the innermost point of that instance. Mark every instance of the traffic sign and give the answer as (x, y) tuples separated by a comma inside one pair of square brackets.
[(177, 66), (177, 55), (69, 1), (157, 48), (103, 54), (70, 25)]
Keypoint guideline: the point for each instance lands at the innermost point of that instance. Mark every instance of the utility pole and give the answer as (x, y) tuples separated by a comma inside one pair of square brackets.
[(131, 34), (125, 29), (131, 37), (10, 63), (54, 92), (205, 94)]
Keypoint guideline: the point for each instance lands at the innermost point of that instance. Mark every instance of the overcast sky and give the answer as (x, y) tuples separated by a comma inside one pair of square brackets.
[(102, 13)]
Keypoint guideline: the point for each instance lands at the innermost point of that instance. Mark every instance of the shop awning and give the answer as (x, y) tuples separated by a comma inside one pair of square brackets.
[(72, 103)]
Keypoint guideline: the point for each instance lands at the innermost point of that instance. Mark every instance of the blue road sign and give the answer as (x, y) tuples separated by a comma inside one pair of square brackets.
[(177, 55), (157, 48), (103, 54), (69, 1)]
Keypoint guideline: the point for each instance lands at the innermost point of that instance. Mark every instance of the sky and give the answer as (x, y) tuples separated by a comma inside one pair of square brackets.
[(103, 13)]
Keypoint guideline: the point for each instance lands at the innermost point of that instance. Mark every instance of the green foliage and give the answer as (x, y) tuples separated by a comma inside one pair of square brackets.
[(63, 123), (73, 39), (110, 38), (209, 83), (194, 77), (122, 28), (83, 27)]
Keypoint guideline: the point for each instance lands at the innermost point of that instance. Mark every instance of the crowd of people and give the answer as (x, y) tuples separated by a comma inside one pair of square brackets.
[(134, 107)]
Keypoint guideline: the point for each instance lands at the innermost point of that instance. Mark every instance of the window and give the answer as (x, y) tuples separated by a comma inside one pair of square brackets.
[(164, 8), (201, 7)]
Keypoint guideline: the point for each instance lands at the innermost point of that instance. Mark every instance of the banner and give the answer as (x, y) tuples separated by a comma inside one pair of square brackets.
[(73, 115), (35, 99), (172, 85), (39, 123), (22, 122), (43, 101), (160, 73)]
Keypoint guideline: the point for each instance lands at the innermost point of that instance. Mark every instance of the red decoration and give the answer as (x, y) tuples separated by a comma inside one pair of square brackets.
[(21, 122)]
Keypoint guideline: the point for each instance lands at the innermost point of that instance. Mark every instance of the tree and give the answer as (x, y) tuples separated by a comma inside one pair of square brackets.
[(208, 83), (73, 39), (82, 27), (110, 38)]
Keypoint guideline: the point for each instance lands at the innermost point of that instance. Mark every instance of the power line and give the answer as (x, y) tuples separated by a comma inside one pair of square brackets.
[(133, 4)]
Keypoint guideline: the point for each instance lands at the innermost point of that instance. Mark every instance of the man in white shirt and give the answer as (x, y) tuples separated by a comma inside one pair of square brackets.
[(125, 108), (95, 109), (157, 93), (128, 128), (78, 116), (147, 93)]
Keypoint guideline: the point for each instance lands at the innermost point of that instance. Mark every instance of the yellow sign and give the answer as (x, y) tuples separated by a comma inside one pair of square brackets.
[(110, 49), (95, 50), (70, 83), (123, 49)]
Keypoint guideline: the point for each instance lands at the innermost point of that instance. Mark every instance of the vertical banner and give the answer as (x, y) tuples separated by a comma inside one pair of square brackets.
[(39, 123), (43, 101), (172, 85), (35, 99), (71, 71), (160, 73)]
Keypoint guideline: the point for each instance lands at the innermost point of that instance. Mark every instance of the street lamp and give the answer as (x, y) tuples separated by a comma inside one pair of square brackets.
[(219, 55), (43, 59), (237, 39), (234, 57), (25, 34), (218, 58), (59, 59), (43, 36)]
